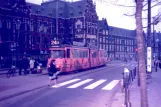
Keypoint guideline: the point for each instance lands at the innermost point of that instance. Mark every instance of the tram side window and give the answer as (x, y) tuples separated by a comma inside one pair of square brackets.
[(76, 53), (68, 53), (94, 54), (57, 54), (81, 53), (86, 54)]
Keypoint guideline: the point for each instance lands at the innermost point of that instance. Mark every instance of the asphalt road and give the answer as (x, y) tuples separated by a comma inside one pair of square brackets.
[(95, 89)]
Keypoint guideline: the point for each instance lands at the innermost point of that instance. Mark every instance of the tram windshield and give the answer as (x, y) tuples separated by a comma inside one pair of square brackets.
[(57, 54)]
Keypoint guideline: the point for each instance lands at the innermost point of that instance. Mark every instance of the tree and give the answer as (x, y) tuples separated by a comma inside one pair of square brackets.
[(142, 70)]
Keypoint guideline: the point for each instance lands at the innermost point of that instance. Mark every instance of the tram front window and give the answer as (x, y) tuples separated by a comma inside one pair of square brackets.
[(57, 54)]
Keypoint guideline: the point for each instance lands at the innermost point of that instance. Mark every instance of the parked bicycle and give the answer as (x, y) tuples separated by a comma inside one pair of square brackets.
[(11, 71)]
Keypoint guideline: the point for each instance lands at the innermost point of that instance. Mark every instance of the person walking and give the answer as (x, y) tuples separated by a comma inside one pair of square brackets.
[(52, 72)]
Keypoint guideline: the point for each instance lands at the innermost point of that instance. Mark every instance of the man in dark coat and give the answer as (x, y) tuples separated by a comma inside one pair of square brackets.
[(25, 64)]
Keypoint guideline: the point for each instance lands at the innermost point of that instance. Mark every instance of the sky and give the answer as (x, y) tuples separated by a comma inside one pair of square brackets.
[(115, 14)]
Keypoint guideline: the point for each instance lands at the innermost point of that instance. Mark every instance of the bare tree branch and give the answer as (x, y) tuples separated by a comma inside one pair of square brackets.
[(157, 4), (129, 14), (110, 2)]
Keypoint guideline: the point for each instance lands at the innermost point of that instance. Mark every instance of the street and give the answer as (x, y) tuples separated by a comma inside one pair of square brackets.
[(93, 88)]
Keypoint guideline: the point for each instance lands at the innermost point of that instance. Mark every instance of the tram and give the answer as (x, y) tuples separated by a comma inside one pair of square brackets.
[(72, 58)]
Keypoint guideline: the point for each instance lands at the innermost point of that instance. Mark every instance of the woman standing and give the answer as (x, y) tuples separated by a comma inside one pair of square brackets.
[(52, 72), (32, 61)]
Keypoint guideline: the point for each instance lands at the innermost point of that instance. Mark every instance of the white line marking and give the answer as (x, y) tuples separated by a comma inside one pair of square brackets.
[(80, 83), (111, 85), (95, 84), (65, 83)]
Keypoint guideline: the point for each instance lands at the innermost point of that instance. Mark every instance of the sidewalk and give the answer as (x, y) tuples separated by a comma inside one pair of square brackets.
[(4, 71), (153, 89)]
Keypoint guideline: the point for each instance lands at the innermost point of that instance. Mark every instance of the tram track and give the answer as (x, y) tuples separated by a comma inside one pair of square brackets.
[(87, 72)]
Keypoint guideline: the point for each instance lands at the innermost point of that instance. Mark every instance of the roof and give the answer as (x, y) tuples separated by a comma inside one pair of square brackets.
[(6, 3), (65, 9), (121, 32), (103, 25)]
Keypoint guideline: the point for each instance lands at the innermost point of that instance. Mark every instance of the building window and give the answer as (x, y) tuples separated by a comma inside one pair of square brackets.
[(113, 48), (118, 48), (106, 47), (71, 14), (104, 39), (123, 48), (60, 14), (31, 25), (117, 41), (109, 48), (8, 24), (127, 48), (80, 13), (78, 26)]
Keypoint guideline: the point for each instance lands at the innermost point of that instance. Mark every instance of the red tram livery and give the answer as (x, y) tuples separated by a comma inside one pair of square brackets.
[(71, 58)]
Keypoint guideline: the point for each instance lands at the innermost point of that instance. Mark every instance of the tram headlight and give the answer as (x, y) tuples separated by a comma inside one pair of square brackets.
[(58, 67)]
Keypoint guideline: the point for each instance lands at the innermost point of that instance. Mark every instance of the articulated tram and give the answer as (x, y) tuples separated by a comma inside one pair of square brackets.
[(71, 58)]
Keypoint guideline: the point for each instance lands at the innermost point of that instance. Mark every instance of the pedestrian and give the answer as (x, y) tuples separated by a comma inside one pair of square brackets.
[(32, 62), (156, 65), (52, 72), (20, 66), (25, 64)]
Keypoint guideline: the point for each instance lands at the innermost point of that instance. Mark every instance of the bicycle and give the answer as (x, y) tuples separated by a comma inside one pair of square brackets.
[(11, 71)]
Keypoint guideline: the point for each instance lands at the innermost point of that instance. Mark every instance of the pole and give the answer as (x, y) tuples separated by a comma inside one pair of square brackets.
[(159, 50), (57, 19), (149, 38)]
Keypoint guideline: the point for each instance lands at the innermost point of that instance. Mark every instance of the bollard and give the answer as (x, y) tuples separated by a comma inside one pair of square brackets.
[(127, 79), (127, 98), (135, 71), (132, 75), (138, 78)]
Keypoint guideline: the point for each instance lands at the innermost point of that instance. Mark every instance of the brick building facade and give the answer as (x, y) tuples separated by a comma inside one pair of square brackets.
[(31, 28)]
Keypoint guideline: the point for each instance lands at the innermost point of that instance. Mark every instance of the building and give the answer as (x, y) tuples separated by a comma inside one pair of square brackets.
[(103, 34), (31, 29), (118, 42), (13, 30)]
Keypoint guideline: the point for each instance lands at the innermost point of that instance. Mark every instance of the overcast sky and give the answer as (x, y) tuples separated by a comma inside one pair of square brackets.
[(115, 14)]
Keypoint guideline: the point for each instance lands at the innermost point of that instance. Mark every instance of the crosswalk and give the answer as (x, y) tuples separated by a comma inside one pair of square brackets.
[(76, 83)]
